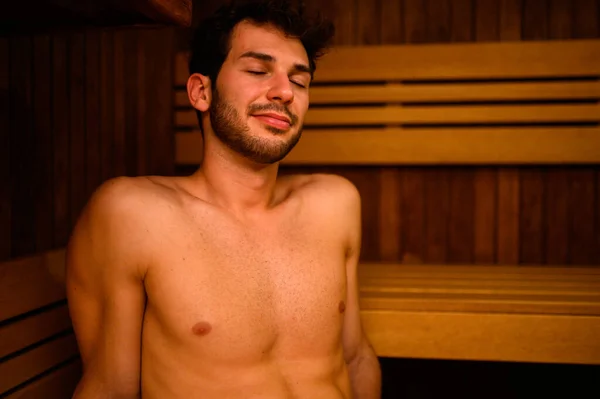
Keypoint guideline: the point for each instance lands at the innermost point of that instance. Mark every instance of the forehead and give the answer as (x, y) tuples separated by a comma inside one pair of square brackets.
[(247, 36)]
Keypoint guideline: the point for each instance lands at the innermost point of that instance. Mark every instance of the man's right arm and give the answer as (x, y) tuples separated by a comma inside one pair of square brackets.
[(105, 292)]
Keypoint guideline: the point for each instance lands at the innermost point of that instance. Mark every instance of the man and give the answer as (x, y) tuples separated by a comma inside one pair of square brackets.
[(232, 282)]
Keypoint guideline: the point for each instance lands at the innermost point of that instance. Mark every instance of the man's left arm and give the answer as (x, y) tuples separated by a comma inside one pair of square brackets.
[(363, 364)]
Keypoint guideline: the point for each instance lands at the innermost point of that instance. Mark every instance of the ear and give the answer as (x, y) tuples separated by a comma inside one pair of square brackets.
[(199, 91)]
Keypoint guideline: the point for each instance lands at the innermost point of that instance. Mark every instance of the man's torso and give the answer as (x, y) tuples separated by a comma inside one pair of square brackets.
[(238, 309)]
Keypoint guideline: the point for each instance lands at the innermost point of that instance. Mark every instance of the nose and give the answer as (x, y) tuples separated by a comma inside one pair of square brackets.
[(281, 90)]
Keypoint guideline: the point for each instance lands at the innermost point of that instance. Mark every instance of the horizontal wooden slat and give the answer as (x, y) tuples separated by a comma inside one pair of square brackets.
[(60, 384), (472, 114), (477, 336), (461, 61), (429, 146), (22, 333), (30, 283), (23, 367), (474, 92)]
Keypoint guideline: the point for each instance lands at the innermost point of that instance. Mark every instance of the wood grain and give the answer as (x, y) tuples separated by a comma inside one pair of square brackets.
[(583, 206), (77, 141), (31, 282), (93, 137), (5, 169), (22, 170), (25, 366), (61, 134), (59, 384), (42, 97)]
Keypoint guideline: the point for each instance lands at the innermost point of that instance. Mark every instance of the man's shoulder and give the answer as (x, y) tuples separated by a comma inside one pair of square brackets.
[(328, 185)]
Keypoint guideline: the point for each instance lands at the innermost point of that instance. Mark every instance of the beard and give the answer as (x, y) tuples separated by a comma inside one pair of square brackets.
[(231, 130)]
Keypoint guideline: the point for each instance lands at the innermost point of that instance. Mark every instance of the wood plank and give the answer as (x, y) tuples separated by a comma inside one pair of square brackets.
[(118, 101), (144, 41), (483, 272), (130, 98), (556, 216), (485, 220), (560, 19), (391, 114), (19, 369), (458, 336), (5, 167), (413, 216), (438, 146), (508, 216), (461, 60), (23, 333), (510, 20), (59, 384), (31, 282), (42, 81), (531, 231), (344, 17), (486, 21), (461, 227), (586, 21), (160, 104), (93, 138), (436, 215), (535, 20), (367, 22), (438, 21), (462, 21), (60, 134), (415, 21), (392, 22), (107, 88), (77, 141), (22, 140), (583, 206), (390, 221)]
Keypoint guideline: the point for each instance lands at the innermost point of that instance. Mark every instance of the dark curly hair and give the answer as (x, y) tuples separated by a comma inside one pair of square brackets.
[(211, 42)]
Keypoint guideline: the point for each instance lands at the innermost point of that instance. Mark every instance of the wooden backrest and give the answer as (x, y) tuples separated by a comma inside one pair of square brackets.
[(38, 350), (473, 103)]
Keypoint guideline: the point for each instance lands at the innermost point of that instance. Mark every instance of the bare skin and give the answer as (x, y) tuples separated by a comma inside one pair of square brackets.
[(232, 282)]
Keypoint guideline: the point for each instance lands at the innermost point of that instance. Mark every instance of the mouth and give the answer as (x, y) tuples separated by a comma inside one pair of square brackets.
[(275, 120)]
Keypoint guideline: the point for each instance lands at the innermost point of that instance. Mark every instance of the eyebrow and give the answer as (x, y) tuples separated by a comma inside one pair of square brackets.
[(269, 58)]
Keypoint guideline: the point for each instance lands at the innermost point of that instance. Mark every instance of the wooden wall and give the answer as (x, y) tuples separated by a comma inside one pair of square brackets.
[(77, 108), (492, 214)]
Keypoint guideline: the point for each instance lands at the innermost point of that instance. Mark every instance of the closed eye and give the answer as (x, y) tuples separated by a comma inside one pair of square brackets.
[(298, 84), (256, 72)]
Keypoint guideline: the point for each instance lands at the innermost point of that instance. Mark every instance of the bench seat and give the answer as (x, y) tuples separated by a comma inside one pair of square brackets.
[(491, 313)]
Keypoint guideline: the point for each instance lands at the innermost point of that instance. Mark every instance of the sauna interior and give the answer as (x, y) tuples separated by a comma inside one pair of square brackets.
[(480, 257)]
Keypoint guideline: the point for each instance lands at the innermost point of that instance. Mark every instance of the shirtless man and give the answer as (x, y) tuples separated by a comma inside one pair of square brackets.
[(231, 282)]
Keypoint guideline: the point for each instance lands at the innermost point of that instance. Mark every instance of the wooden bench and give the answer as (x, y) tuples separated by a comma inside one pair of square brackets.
[(38, 351), (509, 103)]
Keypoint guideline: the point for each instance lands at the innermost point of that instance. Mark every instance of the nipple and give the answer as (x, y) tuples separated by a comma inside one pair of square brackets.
[(201, 328), (342, 307)]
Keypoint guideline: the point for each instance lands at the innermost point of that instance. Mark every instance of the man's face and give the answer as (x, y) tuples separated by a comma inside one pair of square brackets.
[(261, 94)]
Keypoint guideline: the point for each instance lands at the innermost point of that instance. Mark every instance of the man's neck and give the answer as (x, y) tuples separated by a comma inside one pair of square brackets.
[(235, 183)]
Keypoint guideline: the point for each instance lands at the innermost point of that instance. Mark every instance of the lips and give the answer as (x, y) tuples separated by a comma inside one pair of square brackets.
[(275, 120)]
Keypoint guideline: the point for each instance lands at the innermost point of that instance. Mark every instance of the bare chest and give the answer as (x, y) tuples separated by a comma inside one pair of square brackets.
[(242, 294)]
